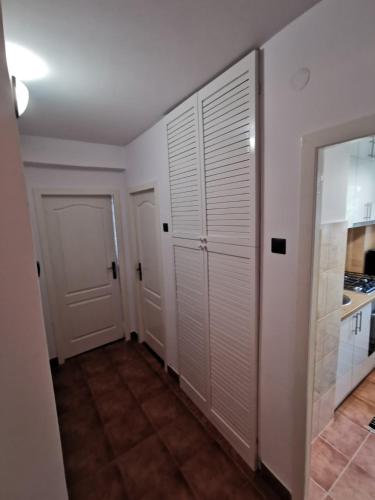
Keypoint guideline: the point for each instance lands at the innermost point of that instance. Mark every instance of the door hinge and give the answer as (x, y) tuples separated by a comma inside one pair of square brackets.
[(38, 268)]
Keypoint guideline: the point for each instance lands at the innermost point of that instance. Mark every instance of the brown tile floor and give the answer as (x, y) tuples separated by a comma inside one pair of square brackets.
[(129, 432), (343, 455)]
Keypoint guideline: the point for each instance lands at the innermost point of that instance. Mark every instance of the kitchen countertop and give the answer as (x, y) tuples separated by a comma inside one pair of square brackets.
[(359, 300)]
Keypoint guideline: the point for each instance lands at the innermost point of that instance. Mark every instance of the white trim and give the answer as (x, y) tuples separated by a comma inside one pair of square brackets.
[(38, 194), (149, 186), (307, 289)]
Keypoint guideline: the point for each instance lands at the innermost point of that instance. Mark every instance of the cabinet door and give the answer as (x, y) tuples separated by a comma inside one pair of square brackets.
[(361, 345), (227, 116), (192, 321), (345, 359), (232, 285), (184, 169)]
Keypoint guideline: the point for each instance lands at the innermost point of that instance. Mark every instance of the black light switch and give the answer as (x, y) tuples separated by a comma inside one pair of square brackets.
[(278, 245), (165, 227)]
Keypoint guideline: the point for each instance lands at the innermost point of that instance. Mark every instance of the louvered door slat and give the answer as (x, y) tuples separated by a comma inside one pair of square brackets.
[(227, 108), (184, 170)]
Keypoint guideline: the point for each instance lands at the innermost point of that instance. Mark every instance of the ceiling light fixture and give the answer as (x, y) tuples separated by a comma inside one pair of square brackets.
[(23, 63), (21, 96)]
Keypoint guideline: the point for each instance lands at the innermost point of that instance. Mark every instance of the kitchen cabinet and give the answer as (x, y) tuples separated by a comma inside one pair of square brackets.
[(353, 362), (361, 183), (214, 192)]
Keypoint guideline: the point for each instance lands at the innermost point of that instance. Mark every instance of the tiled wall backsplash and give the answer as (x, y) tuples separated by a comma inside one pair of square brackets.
[(332, 254)]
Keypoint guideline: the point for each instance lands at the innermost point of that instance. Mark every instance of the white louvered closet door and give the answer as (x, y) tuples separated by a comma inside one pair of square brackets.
[(189, 258), (227, 114), (227, 111), (184, 170)]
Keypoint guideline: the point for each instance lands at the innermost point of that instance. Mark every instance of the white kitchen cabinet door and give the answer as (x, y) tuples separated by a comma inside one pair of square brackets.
[(192, 320), (361, 345), (345, 359), (232, 296), (184, 169), (227, 117)]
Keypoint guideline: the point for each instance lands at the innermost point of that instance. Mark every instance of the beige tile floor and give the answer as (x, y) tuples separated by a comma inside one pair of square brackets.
[(343, 455)]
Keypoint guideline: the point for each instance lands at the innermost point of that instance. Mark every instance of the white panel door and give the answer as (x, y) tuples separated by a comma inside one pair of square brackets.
[(184, 170), (233, 323), (146, 214), (81, 246), (227, 114), (192, 321)]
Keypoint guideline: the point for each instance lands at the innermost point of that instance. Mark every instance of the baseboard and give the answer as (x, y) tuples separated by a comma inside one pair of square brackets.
[(173, 374), (274, 482), (155, 355)]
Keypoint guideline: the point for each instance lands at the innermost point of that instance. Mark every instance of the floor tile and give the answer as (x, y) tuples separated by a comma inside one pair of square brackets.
[(146, 466), (184, 437), (127, 431), (97, 363), (371, 376), (87, 459), (77, 428), (163, 408), (72, 398), (366, 392), (344, 434), (326, 464), (143, 385), (106, 484), (315, 491), (104, 382), (357, 410), (121, 352), (354, 484), (114, 404), (211, 475), (365, 458)]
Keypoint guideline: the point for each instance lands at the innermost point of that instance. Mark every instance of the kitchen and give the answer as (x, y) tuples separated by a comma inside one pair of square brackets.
[(343, 424)]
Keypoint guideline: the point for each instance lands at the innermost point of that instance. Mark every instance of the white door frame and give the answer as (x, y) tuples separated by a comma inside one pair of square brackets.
[(307, 289), (38, 194), (148, 186)]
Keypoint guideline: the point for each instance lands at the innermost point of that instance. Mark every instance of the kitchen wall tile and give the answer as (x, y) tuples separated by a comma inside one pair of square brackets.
[(326, 408)]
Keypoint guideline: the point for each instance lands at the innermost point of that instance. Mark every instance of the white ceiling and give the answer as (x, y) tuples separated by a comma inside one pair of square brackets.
[(116, 66)]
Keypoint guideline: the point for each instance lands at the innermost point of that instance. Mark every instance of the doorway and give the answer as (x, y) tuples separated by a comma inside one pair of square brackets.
[(147, 263), (80, 258), (337, 360)]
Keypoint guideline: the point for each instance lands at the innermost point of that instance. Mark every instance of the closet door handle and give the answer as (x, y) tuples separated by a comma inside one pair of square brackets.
[(360, 321)]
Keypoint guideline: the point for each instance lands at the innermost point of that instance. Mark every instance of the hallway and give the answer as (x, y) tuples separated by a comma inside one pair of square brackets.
[(129, 432)]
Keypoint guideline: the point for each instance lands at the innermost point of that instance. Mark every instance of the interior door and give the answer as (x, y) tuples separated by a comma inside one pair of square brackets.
[(146, 214), (86, 292)]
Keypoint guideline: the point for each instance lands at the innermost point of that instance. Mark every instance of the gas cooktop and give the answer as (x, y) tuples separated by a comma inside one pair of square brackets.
[(357, 282)]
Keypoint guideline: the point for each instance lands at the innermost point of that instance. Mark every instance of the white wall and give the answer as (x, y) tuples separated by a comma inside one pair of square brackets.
[(51, 151), (336, 41), (31, 465), (146, 160), (52, 177)]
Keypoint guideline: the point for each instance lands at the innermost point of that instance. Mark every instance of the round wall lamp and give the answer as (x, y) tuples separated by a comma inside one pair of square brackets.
[(20, 95)]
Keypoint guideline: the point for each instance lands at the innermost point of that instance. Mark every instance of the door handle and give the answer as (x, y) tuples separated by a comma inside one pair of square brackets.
[(139, 270), (114, 270), (360, 321), (356, 323)]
